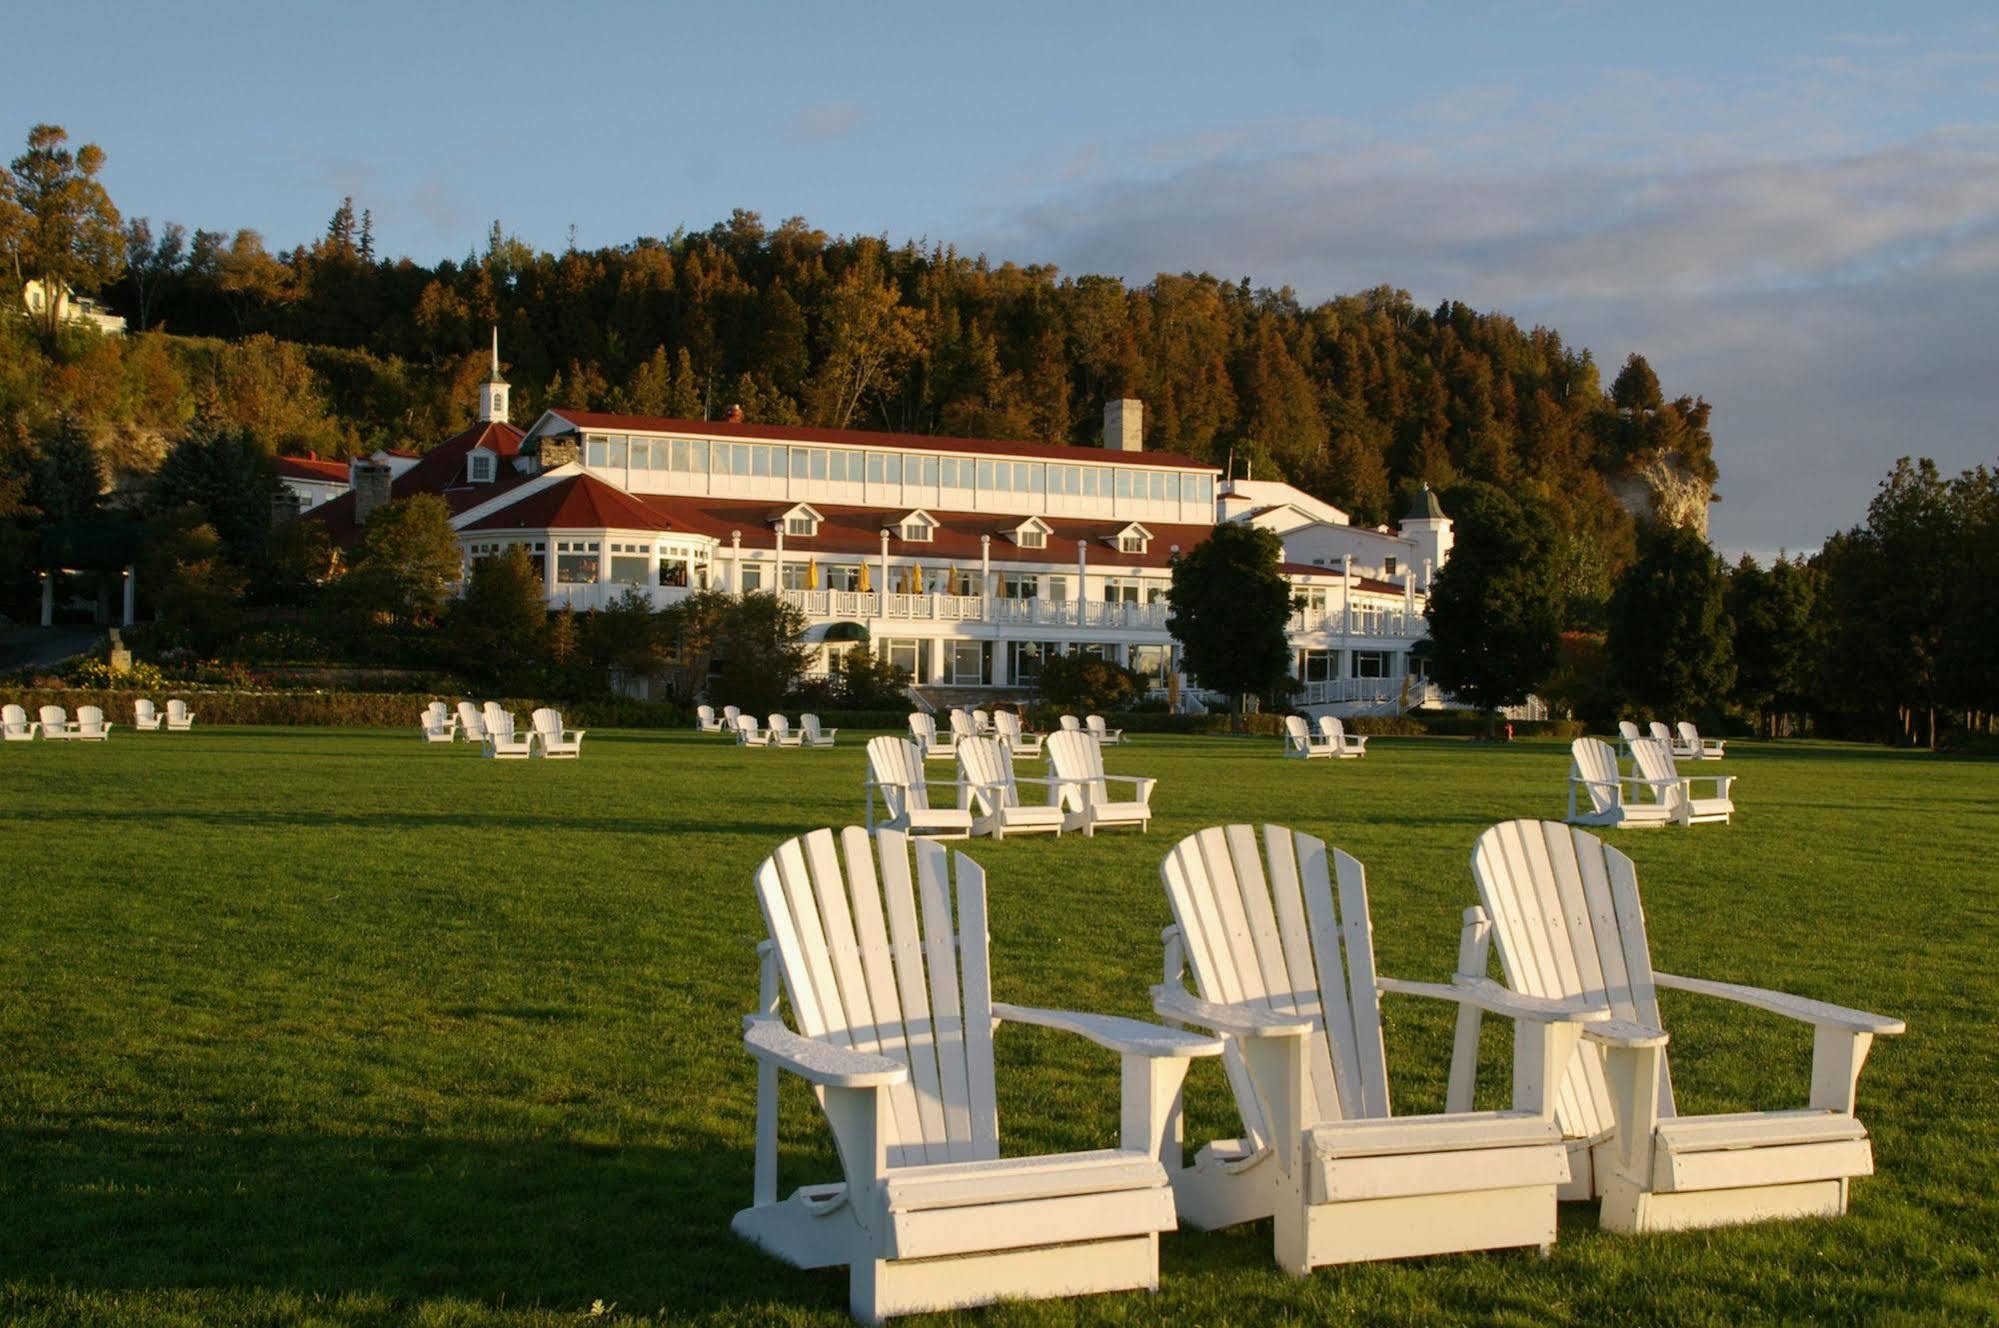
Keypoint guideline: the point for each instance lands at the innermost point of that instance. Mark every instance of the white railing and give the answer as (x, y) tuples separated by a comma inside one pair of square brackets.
[(1391, 624), (860, 605), (586, 595), (1370, 691)]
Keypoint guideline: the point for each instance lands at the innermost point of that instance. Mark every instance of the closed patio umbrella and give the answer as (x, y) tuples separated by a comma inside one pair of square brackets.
[(812, 574), (866, 583)]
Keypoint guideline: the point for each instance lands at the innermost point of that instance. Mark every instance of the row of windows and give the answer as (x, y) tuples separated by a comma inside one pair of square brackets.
[(1324, 665), (840, 466)]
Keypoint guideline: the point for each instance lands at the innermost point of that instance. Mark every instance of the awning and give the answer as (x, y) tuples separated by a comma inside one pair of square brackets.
[(839, 631)]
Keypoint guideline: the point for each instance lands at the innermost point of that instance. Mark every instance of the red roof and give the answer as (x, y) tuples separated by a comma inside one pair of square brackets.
[(1360, 582), (442, 472), (312, 468), (581, 502), (786, 433)]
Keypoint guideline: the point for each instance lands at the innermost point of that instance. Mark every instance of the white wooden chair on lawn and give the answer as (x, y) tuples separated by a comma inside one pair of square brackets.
[(145, 716), (895, 770), (986, 766), (471, 722), (1076, 760), (1102, 732), (492, 714), (1694, 747), (1563, 907), (1301, 741), (91, 725), (502, 742), (1070, 724), (179, 718), (782, 734), (1628, 731), (15, 726), (1655, 765), (1609, 797), (705, 721), (1335, 733), (56, 723), (810, 734), (962, 725), (982, 723), (748, 734), (436, 715), (923, 731), (556, 741), (433, 729), (1282, 954), (1006, 725), (1659, 733), (730, 714), (887, 977)]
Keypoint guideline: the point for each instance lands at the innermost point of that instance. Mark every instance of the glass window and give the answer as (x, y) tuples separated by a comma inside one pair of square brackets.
[(798, 463), (836, 468), (1033, 539), (909, 656), (631, 568), (1388, 567), (1119, 591), (968, 661), (575, 562), (1318, 665), (1091, 476), (929, 470), (1150, 661), (1024, 658), (753, 576), (617, 453), (1370, 664), (741, 453), (818, 459), (841, 576), (800, 525), (1124, 484), (1019, 585), (874, 468), (1055, 587), (641, 454), (679, 457), (1034, 479), (1158, 486), (985, 476), (1131, 544), (595, 450), (760, 462), (918, 531), (479, 467), (895, 474), (698, 454)]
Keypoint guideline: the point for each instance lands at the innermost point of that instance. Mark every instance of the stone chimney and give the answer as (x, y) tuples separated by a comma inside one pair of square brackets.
[(1124, 425), (371, 489), (555, 450), (285, 506)]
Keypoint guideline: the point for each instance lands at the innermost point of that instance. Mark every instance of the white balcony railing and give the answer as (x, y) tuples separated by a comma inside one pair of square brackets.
[(860, 605), (1388, 624), (586, 595), (1370, 691)]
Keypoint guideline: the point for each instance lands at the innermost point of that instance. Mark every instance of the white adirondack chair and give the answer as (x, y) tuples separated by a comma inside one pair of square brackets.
[(1660, 734), (179, 718), (1628, 731), (730, 715), (557, 743), (502, 742), (982, 722), (1563, 907), (56, 723), (431, 730), (1007, 725), (986, 766), (887, 976), (748, 734), (471, 722), (705, 721), (1696, 748), (1077, 762), (1301, 742), (15, 726), (91, 725), (145, 716), (1344, 746), (1283, 958), (1104, 734), (1070, 724), (1655, 764), (962, 725), (782, 734), (923, 730), (1610, 798), (895, 769), (812, 735)]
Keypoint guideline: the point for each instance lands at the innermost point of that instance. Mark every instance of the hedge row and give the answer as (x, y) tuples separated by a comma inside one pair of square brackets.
[(335, 709)]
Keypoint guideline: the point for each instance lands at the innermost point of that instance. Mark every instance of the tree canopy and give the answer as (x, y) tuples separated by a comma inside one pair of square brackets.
[(1495, 616), (1670, 639), (1229, 607)]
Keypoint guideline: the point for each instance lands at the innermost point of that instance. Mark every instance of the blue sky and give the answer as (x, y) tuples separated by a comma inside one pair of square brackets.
[(1793, 210)]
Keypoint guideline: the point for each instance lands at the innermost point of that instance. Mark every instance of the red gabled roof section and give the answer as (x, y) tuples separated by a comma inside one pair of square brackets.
[(785, 433), (312, 468), (442, 472), (1359, 582), (581, 502)]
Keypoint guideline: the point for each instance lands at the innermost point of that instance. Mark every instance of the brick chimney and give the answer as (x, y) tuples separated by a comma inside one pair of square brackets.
[(1124, 425), (371, 489)]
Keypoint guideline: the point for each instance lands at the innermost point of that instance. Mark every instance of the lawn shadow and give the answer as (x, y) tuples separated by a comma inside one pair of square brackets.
[(517, 1222)]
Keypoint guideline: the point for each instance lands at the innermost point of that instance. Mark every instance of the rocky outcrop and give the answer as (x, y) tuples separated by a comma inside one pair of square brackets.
[(1660, 488)]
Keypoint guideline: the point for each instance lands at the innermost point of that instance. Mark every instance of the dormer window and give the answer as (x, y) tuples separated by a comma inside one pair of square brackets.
[(802, 521), (479, 467), (1388, 567), (1134, 538), (1031, 533), (917, 527)]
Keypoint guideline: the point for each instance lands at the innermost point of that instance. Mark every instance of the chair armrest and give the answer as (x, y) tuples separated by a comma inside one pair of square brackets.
[(1624, 1033), (1236, 1020), (817, 1061), (1803, 1009), (1489, 996), (1038, 779), (1130, 1036), (1141, 784)]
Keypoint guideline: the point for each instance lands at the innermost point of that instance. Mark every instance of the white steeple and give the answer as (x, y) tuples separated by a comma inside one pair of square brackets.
[(493, 392)]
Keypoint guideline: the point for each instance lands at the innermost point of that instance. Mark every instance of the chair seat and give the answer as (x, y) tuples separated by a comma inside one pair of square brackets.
[(940, 818), (958, 1208), (1031, 814), (1394, 1157), (1759, 1148), (1015, 1179), (1121, 811), (1710, 809)]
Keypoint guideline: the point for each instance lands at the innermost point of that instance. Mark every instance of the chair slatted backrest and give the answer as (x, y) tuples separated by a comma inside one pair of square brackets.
[(1095, 724), (1660, 733), (962, 726), (893, 963), (494, 715), (1596, 761), (1567, 921), (1654, 760), (1286, 928), (14, 717), (897, 766), (1007, 725), (705, 713), (439, 713), (1079, 758), (923, 728), (54, 717), (810, 724), (1690, 737), (730, 714), (1297, 732), (470, 720), (780, 728), (746, 728), (1070, 724), (90, 719), (1628, 731), (987, 762), (547, 722), (982, 722), (144, 710)]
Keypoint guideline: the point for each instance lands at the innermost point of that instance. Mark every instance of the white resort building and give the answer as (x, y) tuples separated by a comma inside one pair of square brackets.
[(965, 561)]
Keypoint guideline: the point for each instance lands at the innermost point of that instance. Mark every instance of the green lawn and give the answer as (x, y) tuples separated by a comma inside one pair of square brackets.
[(307, 1026)]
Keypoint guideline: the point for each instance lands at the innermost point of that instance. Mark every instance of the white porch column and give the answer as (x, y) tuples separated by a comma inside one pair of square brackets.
[(1346, 595), (1082, 577), (48, 599), (985, 566), (1408, 599), (881, 581), (1001, 677), (937, 657), (1427, 571), (779, 527), (548, 565), (131, 594), (735, 562)]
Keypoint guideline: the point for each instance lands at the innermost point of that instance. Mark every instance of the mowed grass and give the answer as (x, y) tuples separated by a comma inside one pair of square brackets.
[(308, 1026)]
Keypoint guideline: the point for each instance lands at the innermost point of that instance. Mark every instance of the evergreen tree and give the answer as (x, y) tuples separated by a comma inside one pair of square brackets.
[(1670, 639), (1495, 617), (407, 563), (69, 477), (221, 473), (499, 627), (1230, 607), (1776, 639)]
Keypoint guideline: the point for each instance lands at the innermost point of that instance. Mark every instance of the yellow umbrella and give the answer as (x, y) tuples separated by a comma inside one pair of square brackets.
[(916, 578), (951, 582), (812, 574), (867, 583)]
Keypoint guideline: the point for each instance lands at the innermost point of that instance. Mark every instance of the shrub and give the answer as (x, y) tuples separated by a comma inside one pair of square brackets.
[(1086, 683)]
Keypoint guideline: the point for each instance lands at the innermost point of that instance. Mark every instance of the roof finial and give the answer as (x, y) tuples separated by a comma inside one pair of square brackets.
[(496, 355)]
